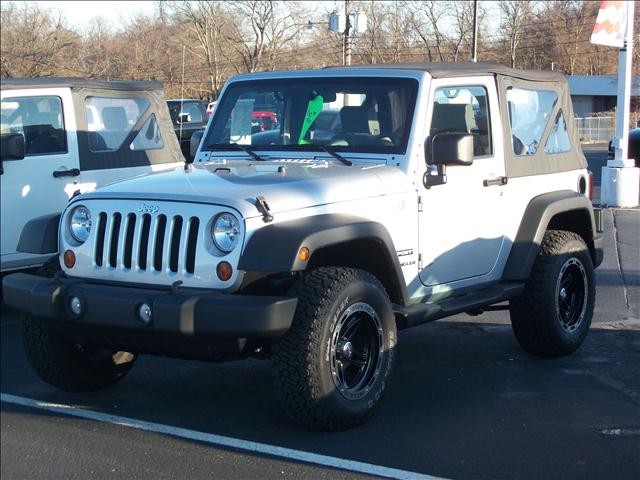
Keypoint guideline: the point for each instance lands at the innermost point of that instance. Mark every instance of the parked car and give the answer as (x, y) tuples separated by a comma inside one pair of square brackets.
[(634, 146), (263, 121), (313, 253), (62, 136), (188, 116)]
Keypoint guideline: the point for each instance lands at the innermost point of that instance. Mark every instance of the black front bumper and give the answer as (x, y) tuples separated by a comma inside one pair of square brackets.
[(186, 313)]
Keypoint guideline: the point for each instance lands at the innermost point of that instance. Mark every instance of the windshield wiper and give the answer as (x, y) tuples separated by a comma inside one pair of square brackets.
[(335, 155), (248, 151)]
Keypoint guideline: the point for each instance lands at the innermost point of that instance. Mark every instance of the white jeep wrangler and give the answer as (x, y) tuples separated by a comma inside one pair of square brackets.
[(60, 136), (384, 197)]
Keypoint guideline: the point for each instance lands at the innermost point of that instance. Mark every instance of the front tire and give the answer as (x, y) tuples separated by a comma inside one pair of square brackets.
[(69, 365), (552, 316), (333, 365)]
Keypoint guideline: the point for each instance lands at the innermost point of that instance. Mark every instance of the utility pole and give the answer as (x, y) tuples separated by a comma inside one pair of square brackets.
[(346, 41), (474, 45)]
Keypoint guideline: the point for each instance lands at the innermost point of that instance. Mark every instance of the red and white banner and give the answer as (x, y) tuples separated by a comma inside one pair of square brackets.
[(611, 25)]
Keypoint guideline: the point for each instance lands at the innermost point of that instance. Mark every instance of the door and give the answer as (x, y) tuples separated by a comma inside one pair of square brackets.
[(460, 228), (49, 174)]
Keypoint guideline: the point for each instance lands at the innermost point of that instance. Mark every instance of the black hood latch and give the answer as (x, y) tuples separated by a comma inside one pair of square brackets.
[(264, 209)]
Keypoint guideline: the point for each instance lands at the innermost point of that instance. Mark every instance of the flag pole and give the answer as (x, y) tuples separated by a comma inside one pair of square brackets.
[(620, 178)]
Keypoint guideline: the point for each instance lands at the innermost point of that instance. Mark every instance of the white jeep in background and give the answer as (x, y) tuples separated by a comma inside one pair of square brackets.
[(441, 189), (66, 135)]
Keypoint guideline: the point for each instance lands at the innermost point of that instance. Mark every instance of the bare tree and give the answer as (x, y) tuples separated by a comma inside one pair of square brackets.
[(262, 27), (515, 14), (425, 19), (206, 23), (34, 42)]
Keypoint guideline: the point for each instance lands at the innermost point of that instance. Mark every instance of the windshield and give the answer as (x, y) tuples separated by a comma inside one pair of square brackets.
[(360, 114)]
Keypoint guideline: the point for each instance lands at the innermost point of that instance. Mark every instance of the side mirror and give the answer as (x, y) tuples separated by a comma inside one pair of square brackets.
[(184, 118), (196, 138), (449, 148), (11, 146)]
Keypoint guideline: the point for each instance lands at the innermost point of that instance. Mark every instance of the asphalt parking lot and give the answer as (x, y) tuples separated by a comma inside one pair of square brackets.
[(465, 402)]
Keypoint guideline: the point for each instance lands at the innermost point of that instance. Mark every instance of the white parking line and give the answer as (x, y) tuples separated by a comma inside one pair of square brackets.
[(263, 448)]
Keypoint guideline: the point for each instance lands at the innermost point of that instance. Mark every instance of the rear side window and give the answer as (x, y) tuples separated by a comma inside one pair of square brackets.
[(193, 112), (39, 119), (110, 120), (558, 140), (190, 112), (529, 113), (464, 109), (149, 136)]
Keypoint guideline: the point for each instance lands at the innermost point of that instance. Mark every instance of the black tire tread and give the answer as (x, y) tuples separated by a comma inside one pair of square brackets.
[(296, 355), (529, 312), (57, 361)]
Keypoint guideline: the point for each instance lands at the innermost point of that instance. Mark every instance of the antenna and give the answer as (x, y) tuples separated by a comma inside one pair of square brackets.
[(181, 93)]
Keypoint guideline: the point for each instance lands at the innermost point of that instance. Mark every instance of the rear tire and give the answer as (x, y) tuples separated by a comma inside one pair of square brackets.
[(552, 316), (68, 365), (333, 365)]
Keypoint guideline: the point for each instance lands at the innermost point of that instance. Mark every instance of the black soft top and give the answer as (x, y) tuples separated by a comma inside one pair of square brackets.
[(76, 82), (465, 69)]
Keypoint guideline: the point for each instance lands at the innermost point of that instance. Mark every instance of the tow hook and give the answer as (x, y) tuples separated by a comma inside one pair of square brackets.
[(264, 209)]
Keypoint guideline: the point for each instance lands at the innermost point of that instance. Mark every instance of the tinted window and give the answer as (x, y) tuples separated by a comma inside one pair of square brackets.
[(191, 109), (110, 120), (464, 109), (39, 119), (529, 113), (354, 114), (558, 140)]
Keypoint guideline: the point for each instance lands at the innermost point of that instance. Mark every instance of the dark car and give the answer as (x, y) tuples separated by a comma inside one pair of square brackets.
[(188, 116), (634, 146)]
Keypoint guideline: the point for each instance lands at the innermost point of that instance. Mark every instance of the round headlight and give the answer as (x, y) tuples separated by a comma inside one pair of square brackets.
[(80, 223), (226, 232)]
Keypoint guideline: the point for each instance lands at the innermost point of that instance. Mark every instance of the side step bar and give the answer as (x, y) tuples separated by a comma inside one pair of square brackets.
[(420, 313)]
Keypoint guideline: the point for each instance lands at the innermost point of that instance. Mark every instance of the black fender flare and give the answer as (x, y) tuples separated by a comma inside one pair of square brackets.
[(275, 247), (536, 219), (40, 235)]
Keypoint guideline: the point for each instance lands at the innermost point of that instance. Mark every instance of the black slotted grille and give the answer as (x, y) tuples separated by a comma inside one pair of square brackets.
[(135, 241)]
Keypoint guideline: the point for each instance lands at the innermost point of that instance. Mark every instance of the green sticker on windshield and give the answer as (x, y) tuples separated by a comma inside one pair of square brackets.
[(314, 108)]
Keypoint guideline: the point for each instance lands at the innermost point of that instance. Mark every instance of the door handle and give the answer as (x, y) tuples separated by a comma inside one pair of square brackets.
[(74, 172), (495, 181)]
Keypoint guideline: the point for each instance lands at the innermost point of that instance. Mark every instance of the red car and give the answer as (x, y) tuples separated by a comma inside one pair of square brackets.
[(263, 120)]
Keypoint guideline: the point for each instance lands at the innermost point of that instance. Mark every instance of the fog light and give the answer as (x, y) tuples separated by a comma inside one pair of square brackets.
[(69, 258), (144, 313), (224, 271), (75, 305)]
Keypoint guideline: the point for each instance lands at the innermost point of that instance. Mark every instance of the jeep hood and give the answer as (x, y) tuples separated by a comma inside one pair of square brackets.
[(285, 185)]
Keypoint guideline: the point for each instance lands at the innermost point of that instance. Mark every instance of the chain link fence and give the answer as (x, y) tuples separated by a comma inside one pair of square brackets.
[(595, 129)]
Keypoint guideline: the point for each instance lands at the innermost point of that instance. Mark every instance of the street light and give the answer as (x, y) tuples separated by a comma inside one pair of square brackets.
[(345, 23)]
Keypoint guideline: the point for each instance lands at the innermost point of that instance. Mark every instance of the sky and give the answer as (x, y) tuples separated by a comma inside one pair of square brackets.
[(79, 13)]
